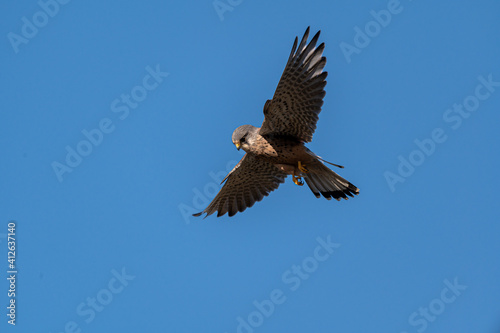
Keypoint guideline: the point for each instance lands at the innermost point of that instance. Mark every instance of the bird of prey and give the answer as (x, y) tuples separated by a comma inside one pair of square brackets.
[(276, 149)]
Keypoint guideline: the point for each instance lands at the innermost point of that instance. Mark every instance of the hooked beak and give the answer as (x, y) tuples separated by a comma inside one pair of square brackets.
[(238, 145)]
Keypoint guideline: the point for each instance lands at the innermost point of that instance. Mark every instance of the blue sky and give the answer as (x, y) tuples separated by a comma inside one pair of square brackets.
[(117, 120)]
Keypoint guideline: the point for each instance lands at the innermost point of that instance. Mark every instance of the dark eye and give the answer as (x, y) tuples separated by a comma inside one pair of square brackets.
[(242, 140)]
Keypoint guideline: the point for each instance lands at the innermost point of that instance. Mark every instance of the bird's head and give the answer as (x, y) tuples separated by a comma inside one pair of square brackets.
[(244, 136)]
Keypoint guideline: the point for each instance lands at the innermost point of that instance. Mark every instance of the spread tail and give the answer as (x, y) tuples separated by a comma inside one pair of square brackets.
[(322, 180)]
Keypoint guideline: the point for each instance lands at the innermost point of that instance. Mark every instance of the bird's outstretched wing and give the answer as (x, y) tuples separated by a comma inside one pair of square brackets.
[(295, 106), (250, 180)]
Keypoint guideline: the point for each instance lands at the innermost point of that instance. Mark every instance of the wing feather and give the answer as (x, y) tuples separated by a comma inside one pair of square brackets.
[(249, 181), (298, 98)]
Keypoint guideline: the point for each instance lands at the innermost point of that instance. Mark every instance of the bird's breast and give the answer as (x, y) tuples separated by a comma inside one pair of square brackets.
[(280, 150)]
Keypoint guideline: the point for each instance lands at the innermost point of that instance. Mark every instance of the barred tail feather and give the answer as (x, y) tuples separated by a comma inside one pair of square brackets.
[(322, 180)]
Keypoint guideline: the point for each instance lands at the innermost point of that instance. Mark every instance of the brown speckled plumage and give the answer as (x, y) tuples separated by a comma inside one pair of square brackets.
[(275, 149)]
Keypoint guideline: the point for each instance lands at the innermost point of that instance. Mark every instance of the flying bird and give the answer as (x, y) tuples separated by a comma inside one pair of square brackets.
[(276, 149)]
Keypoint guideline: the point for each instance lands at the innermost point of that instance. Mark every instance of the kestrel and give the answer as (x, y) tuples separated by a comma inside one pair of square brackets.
[(276, 149)]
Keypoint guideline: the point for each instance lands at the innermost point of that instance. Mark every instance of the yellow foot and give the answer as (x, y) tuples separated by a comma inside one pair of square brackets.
[(303, 168), (297, 180)]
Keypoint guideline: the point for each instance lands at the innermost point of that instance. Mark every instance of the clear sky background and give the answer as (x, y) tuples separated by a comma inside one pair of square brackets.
[(105, 240)]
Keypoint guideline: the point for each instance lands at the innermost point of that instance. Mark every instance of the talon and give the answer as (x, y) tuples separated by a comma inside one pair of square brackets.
[(297, 180), (303, 168)]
